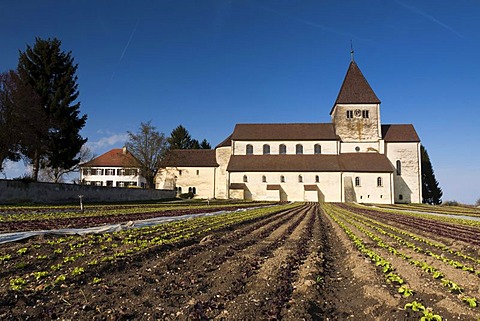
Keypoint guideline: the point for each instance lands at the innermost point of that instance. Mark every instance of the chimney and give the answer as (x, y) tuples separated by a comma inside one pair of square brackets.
[(124, 150)]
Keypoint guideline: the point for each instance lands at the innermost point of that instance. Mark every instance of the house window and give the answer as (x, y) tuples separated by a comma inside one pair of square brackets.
[(349, 113), (264, 179), (400, 197), (317, 179), (266, 149), (179, 190), (317, 149), (194, 190), (282, 149), (180, 172), (98, 183), (379, 182), (110, 172), (357, 181), (282, 179), (249, 149), (87, 171), (198, 172), (299, 149), (365, 113), (245, 178), (399, 168), (300, 179), (99, 171)]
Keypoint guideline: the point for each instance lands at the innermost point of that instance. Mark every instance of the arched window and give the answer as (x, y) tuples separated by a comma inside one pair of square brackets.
[(245, 178), (299, 149), (399, 167), (300, 179), (379, 182), (282, 179), (282, 149), (264, 179), (179, 189), (266, 149), (318, 149), (249, 149), (189, 189), (317, 179), (400, 197), (194, 190), (357, 181)]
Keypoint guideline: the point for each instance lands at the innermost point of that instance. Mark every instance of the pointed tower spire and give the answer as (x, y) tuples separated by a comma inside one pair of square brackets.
[(355, 88)]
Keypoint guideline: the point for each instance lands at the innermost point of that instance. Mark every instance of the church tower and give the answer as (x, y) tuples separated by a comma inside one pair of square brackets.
[(356, 112)]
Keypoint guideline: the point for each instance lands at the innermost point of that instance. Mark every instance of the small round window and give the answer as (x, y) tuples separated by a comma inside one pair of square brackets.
[(357, 149)]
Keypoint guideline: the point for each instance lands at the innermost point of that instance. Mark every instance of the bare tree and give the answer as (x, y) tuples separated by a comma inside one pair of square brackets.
[(57, 175), (148, 146)]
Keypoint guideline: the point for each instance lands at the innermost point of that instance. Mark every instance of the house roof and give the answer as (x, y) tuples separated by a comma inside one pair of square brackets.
[(191, 158), (399, 133), (305, 131), (355, 89), (349, 162), (117, 157)]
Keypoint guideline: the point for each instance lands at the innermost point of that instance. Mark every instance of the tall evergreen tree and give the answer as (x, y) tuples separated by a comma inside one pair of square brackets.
[(205, 144), (180, 138), (431, 191), (50, 72), (9, 138)]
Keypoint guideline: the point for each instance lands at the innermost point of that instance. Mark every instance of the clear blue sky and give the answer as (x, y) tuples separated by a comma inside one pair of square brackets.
[(210, 64)]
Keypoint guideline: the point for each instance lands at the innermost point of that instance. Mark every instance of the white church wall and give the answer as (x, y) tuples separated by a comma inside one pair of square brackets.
[(200, 178), (369, 190), (363, 147), (223, 155), (408, 183), (327, 147), (293, 189)]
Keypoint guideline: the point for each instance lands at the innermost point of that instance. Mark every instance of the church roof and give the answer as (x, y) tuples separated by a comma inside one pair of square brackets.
[(305, 131), (191, 158), (226, 142), (355, 88), (399, 133), (349, 162), (117, 157)]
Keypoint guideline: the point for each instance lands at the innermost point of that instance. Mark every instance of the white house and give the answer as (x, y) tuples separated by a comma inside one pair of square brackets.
[(352, 159), (116, 168)]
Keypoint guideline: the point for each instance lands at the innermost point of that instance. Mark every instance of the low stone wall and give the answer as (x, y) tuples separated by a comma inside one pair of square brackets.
[(23, 192)]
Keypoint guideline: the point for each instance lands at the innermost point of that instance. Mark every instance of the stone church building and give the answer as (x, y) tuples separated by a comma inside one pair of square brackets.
[(354, 158)]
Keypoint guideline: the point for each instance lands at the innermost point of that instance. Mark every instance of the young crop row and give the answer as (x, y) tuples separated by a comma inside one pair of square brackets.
[(42, 213), (361, 224), (467, 223), (453, 210), (345, 219), (48, 263), (454, 229)]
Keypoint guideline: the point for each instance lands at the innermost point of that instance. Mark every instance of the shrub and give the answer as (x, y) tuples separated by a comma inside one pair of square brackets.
[(188, 195)]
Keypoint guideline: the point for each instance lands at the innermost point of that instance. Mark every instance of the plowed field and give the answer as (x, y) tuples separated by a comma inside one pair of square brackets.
[(296, 263)]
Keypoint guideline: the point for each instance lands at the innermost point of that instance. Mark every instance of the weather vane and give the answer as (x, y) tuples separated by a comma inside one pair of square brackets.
[(351, 50)]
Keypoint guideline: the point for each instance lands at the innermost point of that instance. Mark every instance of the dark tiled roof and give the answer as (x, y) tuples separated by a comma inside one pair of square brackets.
[(306, 131), (237, 186), (310, 187), (227, 142), (399, 133), (114, 158), (191, 158), (351, 162), (355, 88), (274, 187)]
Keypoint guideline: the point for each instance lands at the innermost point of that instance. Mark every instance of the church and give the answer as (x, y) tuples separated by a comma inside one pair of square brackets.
[(355, 158)]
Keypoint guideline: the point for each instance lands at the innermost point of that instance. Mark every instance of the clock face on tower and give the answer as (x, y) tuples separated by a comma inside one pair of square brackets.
[(357, 113)]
